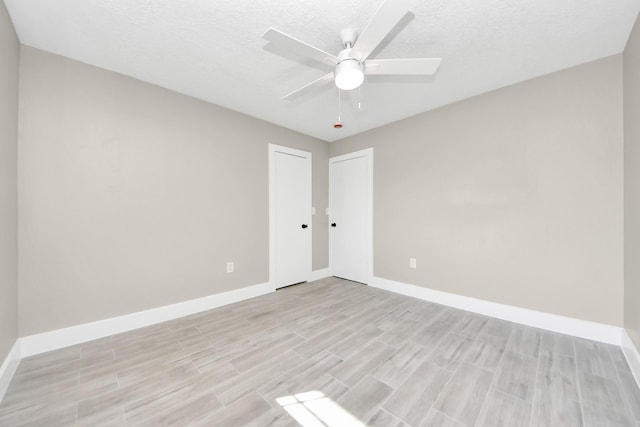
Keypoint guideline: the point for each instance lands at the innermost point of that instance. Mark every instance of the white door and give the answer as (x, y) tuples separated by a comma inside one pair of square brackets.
[(351, 215), (290, 215)]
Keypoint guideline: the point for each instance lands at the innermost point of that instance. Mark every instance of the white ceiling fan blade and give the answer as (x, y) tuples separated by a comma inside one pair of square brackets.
[(299, 47), (422, 66), (322, 81), (386, 17)]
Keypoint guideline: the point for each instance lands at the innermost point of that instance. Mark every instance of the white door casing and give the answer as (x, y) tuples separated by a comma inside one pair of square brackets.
[(289, 210), (351, 210)]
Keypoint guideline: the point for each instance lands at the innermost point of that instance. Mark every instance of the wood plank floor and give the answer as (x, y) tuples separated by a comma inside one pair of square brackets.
[(328, 353)]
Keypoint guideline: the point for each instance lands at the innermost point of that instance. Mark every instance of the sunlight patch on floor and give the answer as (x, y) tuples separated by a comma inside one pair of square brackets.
[(314, 409)]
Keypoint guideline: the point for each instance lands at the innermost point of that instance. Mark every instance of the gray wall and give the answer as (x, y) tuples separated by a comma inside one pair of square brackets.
[(9, 62), (514, 196), (134, 197), (632, 185)]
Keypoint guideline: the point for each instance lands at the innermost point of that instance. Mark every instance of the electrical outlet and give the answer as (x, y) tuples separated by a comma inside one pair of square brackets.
[(412, 263), (230, 267)]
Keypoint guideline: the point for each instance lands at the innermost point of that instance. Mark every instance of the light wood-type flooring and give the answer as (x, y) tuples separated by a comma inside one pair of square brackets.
[(328, 353)]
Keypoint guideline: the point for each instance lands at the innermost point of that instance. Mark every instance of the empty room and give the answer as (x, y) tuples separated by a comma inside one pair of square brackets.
[(367, 213)]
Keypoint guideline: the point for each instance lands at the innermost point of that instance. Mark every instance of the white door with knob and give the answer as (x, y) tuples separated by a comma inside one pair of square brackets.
[(289, 216), (351, 216)]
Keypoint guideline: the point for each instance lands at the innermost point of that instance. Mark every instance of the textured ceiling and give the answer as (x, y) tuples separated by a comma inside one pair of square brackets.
[(213, 50)]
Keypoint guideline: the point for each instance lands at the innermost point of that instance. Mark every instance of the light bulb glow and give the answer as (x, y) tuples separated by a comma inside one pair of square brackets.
[(349, 74)]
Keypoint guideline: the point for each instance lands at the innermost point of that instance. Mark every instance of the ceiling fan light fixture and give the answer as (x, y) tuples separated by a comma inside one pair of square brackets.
[(349, 74)]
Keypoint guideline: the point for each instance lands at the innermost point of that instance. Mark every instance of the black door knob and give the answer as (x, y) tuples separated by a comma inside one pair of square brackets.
[(333, 224), (304, 225)]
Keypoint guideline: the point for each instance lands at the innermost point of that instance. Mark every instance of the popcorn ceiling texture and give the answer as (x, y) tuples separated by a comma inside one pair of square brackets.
[(213, 50)]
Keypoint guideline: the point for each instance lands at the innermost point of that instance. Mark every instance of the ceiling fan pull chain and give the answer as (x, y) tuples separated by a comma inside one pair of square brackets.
[(338, 124)]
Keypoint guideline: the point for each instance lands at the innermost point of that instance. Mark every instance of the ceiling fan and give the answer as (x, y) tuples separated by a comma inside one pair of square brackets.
[(351, 63)]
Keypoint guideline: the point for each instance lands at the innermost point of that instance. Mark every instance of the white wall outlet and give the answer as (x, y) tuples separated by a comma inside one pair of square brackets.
[(327, 211), (230, 267), (412, 263), (313, 210)]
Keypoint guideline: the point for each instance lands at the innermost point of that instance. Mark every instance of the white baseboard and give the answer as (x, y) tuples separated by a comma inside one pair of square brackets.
[(319, 274), (9, 367), (632, 355), (552, 322), (47, 341), (60, 338)]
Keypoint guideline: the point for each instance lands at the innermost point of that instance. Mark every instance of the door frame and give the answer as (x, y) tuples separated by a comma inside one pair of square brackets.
[(273, 149), (368, 153)]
